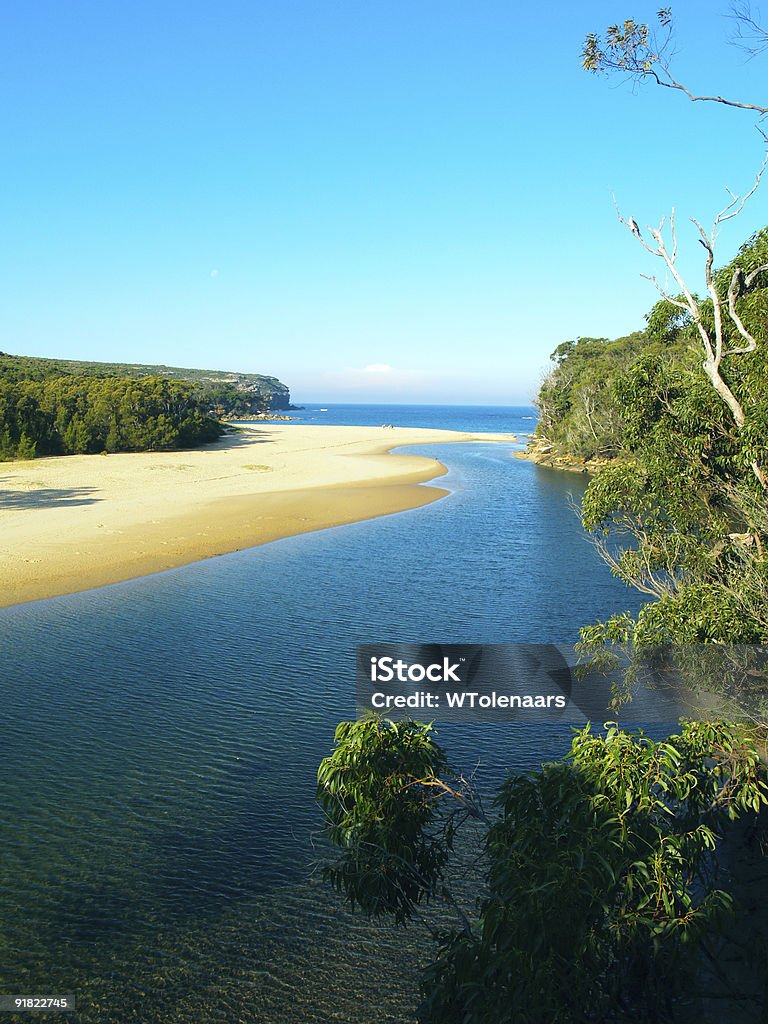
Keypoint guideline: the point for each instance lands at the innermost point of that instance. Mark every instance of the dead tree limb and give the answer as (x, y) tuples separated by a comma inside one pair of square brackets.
[(712, 339)]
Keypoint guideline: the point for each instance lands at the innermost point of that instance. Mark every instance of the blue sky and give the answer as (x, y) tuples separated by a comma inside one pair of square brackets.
[(372, 201)]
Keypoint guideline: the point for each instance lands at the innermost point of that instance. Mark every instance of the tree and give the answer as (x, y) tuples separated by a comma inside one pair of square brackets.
[(599, 897), (70, 414), (712, 330), (691, 490), (634, 49), (685, 506), (374, 790), (579, 414), (26, 447)]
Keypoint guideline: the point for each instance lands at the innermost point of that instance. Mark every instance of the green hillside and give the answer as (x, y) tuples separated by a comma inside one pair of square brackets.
[(229, 393), (67, 407)]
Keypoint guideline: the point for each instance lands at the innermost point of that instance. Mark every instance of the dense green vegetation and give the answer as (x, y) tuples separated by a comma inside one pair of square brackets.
[(234, 393), (580, 412), (65, 407), (84, 415), (686, 498), (601, 396), (600, 896)]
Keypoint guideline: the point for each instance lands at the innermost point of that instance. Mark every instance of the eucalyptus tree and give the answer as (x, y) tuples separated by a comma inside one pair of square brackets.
[(691, 492), (644, 52), (597, 893)]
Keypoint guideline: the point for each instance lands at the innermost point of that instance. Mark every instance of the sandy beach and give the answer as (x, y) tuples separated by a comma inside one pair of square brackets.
[(81, 521)]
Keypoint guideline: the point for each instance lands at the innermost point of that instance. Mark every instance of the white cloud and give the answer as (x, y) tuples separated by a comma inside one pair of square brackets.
[(379, 380)]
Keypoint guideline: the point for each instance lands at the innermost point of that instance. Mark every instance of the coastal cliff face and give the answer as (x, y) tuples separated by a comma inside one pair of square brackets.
[(245, 395), (280, 399)]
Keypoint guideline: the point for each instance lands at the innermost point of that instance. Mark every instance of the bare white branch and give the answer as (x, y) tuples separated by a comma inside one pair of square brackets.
[(734, 208), (673, 233), (712, 337), (664, 293), (733, 287)]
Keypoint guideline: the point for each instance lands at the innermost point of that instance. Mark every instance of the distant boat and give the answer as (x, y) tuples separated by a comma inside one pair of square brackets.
[(323, 410)]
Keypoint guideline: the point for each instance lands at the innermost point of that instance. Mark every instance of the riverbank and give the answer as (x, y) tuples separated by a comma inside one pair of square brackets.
[(82, 521), (542, 453)]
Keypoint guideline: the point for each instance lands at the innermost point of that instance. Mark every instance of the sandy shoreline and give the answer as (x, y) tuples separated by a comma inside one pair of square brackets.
[(81, 521)]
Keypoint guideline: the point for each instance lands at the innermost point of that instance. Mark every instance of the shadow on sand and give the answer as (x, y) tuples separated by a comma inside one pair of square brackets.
[(47, 497), (235, 440)]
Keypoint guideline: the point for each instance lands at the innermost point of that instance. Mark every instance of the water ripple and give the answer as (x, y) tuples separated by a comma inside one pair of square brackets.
[(161, 738)]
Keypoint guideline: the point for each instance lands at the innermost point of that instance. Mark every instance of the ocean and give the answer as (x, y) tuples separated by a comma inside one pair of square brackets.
[(160, 740)]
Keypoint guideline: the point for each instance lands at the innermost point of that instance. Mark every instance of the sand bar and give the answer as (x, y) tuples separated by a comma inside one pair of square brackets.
[(81, 521)]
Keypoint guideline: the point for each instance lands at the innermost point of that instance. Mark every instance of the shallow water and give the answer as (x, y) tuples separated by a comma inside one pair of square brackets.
[(161, 737)]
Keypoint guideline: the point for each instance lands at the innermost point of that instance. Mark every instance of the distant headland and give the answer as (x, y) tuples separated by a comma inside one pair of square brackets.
[(69, 407)]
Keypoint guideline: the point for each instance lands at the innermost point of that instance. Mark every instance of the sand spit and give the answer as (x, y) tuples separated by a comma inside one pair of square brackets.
[(81, 521)]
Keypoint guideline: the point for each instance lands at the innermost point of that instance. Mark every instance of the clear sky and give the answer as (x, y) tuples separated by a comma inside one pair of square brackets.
[(373, 201)]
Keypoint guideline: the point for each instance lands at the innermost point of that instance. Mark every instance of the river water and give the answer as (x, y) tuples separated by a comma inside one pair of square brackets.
[(160, 740)]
